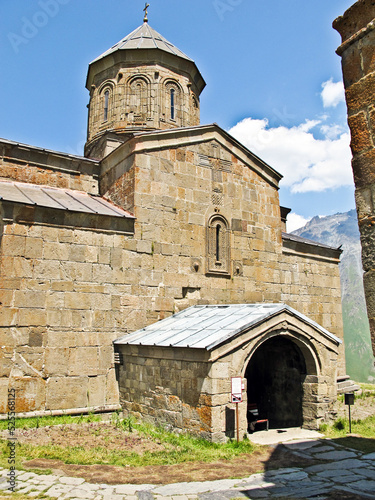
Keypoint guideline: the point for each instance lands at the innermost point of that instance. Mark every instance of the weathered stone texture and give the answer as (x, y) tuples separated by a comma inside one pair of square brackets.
[(190, 389), (356, 27), (33, 165)]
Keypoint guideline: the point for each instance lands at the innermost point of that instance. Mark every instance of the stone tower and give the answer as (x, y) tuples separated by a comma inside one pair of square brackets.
[(142, 83), (357, 29)]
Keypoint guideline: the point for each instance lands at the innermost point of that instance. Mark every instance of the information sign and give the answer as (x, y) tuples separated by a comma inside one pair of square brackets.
[(236, 390)]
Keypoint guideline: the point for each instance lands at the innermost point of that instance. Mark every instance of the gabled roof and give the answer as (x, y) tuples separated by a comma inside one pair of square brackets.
[(206, 327), (144, 141), (300, 239), (145, 37)]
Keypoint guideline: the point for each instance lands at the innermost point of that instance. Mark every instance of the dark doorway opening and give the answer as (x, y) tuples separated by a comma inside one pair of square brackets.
[(275, 376)]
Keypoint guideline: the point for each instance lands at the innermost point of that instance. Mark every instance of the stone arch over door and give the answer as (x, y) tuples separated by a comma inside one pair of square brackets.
[(280, 372)]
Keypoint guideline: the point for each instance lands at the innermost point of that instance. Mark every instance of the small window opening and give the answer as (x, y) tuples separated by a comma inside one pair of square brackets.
[(218, 228), (172, 104), (106, 103)]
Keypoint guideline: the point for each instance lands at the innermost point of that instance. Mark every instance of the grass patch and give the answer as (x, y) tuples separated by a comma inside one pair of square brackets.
[(180, 448), (19, 496), (364, 430), (36, 422)]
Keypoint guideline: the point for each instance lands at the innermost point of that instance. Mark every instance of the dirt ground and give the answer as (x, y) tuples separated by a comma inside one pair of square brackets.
[(261, 460), (105, 434)]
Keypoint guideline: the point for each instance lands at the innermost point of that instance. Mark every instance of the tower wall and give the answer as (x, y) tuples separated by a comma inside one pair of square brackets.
[(357, 29)]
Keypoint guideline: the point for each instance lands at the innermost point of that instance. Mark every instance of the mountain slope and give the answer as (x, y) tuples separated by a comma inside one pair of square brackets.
[(342, 229)]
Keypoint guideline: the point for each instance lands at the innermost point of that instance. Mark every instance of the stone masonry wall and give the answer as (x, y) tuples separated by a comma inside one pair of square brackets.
[(175, 193), (357, 29), (167, 387), (63, 300), (71, 283), (36, 166)]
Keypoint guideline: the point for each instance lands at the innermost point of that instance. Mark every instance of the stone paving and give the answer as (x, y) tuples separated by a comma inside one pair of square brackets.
[(345, 470)]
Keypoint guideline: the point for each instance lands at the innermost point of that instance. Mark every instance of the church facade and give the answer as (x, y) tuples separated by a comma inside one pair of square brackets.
[(161, 214)]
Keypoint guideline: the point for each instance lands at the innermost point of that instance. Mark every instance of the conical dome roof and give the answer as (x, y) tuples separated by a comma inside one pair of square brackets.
[(144, 37)]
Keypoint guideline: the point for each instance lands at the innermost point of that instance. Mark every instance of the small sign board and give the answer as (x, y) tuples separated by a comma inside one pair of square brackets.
[(236, 390), (349, 398)]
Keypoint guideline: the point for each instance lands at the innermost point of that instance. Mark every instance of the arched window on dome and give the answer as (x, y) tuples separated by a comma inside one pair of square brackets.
[(106, 105), (173, 101), (173, 98), (139, 98)]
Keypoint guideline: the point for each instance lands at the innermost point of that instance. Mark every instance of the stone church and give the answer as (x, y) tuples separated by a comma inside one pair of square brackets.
[(154, 269)]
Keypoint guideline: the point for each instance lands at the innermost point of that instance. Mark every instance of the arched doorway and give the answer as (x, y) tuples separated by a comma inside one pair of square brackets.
[(275, 376)]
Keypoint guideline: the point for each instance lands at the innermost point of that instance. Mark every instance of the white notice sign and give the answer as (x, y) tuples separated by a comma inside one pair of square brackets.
[(236, 389)]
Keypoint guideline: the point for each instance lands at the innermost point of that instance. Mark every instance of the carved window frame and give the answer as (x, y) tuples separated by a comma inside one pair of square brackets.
[(106, 92), (173, 105), (218, 246), (139, 97)]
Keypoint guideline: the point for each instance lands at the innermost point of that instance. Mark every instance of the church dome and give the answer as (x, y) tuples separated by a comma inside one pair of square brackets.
[(143, 82)]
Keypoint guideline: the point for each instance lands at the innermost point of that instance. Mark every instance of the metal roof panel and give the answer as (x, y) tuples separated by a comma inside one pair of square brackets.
[(62, 199), (144, 37), (206, 327)]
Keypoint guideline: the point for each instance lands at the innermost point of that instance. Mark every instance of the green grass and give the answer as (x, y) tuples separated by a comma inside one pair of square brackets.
[(363, 431), (180, 448), (19, 496), (368, 387), (35, 422)]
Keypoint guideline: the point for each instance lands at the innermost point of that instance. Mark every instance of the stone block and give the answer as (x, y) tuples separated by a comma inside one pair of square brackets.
[(29, 299), (96, 392), (363, 169), (77, 253), (360, 95), (13, 245), (32, 317), (6, 363), (66, 392), (53, 250), (30, 393), (74, 300), (83, 361), (352, 65), (56, 361)]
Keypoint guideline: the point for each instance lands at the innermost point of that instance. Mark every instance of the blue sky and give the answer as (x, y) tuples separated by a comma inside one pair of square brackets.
[(273, 80)]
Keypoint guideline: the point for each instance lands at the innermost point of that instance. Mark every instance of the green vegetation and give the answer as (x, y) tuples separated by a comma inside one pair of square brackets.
[(36, 422), (364, 428), (177, 448), (362, 437), (19, 496)]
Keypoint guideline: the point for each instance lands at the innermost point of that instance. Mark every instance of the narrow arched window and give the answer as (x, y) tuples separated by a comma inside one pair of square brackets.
[(218, 243), (106, 105), (173, 103)]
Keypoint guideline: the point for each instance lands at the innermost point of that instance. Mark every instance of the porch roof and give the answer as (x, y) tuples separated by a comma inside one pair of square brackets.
[(208, 326)]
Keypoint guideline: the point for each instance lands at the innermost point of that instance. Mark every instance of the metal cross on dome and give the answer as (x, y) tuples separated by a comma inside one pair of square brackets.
[(147, 5)]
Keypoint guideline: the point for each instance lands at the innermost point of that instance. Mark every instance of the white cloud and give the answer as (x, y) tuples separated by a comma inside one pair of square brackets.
[(307, 163), (332, 93), (295, 221)]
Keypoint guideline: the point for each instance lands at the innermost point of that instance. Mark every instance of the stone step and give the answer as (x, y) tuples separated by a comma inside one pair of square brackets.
[(345, 384)]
